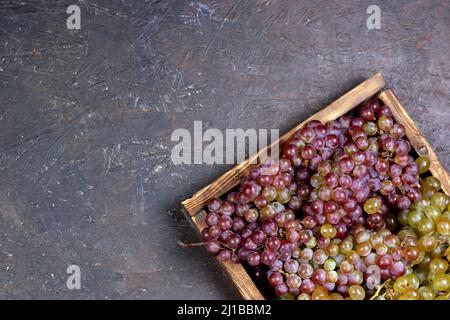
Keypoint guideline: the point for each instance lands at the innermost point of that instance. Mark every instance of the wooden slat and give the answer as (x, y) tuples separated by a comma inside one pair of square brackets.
[(334, 110), (236, 272), (416, 137)]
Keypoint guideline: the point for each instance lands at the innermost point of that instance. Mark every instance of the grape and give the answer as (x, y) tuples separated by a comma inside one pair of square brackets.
[(234, 241), (402, 147), (328, 231), (403, 202), (307, 286), (254, 259), (441, 282), (319, 277), (332, 141), (268, 257), (308, 152), (424, 164), (305, 270), (372, 205), (224, 255), (291, 266), (438, 265), (370, 128), (356, 292), (385, 123), (426, 293), (346, 164), (275, 279), (293, 281), (439, 200), (443, 226), (426, 226), (432, 183), (211, 219), (213, 247)]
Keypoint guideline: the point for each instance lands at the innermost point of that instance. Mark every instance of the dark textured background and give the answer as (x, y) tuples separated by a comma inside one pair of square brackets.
[(86, 118)]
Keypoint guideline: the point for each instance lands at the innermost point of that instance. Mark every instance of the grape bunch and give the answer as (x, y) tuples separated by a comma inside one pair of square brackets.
[(427, 224), (342, 214)]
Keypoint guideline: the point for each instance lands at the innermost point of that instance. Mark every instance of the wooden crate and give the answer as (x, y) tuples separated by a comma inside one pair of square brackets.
[(373, 86)]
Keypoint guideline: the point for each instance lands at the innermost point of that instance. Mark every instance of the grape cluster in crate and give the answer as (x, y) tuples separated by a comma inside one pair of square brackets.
[(347, 212)]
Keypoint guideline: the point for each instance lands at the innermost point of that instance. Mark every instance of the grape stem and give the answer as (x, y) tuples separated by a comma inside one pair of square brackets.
[(377, 293), (197, 244), (190, 245)]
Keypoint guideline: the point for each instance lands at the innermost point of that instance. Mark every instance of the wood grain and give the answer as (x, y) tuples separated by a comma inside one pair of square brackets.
[(236, 272), (339, 107), (416, 137)]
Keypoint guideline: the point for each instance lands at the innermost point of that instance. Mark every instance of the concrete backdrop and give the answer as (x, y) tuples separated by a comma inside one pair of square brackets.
[(86, 117)]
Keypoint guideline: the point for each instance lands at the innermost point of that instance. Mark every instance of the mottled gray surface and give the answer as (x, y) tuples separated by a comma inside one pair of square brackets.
[(86, 118)]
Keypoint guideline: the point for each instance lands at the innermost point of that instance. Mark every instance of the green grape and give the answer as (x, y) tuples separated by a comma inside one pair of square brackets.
[(329, 265), (303, 296), (439, 200), (403, 217), (413, 280), (370, 128), (364, 248), (426, 226), (443, 226), (427, 243), (336, 296), (332, 276), (324, 193), (438, 265), (283, 196), (381, 248), (346, 267), (269, 193), (311, 243), (428, 192), (345, 246), (372, 205), (356, 292), (328, 231), (432, 212), (268, 212), (415, 217), (407, 232), (385, 123), (316, 180), (410, 294), (325, 167), (424, 164), (441, 282), (319, 293), (427, 293), (420, 204), (407, 282), (438, 251), (441, 297), (278, 207), (432, 183), (446, 214)]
